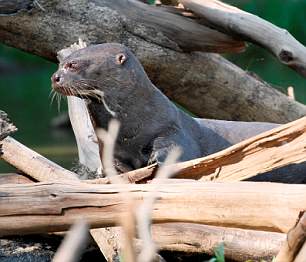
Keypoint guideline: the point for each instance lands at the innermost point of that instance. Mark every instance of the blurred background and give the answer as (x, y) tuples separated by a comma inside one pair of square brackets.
[(25, 82)]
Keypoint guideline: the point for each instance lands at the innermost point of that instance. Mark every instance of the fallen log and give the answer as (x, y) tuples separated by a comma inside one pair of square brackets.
[(239, 244), (46, 207), (252, 28), (215, 82)]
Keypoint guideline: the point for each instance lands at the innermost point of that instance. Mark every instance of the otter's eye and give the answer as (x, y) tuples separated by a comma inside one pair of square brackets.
[(71, 65), (120, 59)]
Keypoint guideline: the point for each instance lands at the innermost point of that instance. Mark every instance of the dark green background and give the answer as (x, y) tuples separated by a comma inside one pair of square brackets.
[(25, 82)]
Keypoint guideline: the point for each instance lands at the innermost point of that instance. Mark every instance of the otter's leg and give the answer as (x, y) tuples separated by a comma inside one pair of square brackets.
[(162, 146)]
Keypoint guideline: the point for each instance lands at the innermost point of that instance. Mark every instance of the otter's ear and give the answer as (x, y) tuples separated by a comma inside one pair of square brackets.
[(121, 58)]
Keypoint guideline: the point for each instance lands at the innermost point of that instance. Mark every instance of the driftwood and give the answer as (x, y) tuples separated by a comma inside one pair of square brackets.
[(46, 207), (239, 244), (295, 240), (215, 82), (251, 28)]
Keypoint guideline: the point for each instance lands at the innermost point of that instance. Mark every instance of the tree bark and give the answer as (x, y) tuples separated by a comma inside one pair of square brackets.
[(52, 206), (206, 84)]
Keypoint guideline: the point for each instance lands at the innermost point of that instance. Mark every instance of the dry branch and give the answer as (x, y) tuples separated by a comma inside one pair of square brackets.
[(54, 206), (252, 28), (32, 163), (74, 243), (270, 150), (296, 238), (215, 82)]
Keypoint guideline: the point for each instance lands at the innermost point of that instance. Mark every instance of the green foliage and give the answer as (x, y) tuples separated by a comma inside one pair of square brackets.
[(219, 254)]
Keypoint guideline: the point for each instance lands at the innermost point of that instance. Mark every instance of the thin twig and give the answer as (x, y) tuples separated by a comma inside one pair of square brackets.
[(144, 213), (74, 243)]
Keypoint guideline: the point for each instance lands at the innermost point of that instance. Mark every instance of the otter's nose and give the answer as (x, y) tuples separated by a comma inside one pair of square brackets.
[(56, 78)]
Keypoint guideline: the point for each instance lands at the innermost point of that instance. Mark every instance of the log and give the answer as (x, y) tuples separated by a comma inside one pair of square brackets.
[(252, 28), (239, 245), (214, 81), (276, 148), (53, 206), (295, 240)]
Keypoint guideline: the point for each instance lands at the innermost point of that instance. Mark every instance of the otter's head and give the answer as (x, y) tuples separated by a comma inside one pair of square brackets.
[(98, 71)]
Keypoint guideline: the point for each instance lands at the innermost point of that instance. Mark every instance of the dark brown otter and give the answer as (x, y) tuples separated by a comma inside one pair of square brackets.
[(115, 85)]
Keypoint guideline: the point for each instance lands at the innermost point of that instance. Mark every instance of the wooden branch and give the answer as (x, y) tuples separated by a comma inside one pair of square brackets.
[(214, 81), (295, 240), (239, 244), (46, 207), (252, 28), (270, 150), (32, 163)]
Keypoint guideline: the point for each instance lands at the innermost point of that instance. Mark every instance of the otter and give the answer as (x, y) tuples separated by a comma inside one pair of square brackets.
[(114, 84)]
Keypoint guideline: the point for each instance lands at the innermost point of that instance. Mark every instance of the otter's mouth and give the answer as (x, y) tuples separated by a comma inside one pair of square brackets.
[(81, 93)]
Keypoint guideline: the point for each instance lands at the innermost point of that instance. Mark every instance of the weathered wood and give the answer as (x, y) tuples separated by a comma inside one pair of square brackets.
[(239, 244), (295, 240), (254, 29), (32, 163), (54, 206), (191, 238), (215, 82)]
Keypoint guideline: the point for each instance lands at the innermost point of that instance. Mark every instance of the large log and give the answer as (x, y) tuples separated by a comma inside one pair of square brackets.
[(54, 206), (219, 89), (239, 244), (252, 28)]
